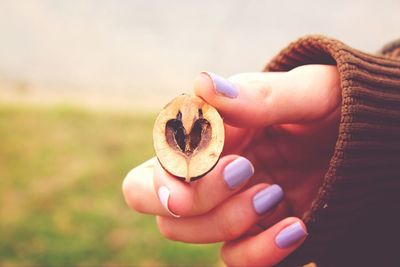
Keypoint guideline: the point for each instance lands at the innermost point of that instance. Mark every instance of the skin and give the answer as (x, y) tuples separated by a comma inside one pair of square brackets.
[(286, 124)]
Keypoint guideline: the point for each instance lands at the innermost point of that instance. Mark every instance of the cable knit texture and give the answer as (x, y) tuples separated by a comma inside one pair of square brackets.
[(354, 219)]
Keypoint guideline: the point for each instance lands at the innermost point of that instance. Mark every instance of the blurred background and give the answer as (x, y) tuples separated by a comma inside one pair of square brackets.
[(80, 85)]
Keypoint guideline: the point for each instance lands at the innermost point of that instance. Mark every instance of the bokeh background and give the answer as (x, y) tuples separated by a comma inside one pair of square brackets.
[(80, 85)]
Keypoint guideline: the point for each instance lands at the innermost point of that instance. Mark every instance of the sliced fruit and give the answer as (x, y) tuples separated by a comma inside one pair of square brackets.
[(188, 137)]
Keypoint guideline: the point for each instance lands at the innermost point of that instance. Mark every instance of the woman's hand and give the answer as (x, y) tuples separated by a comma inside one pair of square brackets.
[(284, 127)]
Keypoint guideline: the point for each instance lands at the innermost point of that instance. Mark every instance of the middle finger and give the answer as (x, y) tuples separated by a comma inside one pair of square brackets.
[(230, 220)]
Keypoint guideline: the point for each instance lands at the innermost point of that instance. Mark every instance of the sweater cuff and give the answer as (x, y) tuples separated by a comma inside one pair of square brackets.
[(391, 50), (360, 189)]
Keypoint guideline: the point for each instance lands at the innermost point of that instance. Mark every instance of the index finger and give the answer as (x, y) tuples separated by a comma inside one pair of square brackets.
[(182, 199), (138, 189)]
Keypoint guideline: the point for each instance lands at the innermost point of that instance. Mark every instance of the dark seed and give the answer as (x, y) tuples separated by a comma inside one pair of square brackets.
[(178, 139)]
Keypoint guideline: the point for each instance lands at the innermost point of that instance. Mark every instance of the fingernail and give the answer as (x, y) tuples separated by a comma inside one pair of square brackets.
[(290, 235), (237, 172), (267, 198), (163, 195), (221, 85)]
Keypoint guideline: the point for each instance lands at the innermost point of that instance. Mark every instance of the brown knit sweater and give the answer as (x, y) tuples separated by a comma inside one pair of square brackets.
[(354, 220)]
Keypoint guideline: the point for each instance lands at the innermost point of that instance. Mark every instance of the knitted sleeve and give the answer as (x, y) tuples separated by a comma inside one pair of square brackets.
[(354, 219)]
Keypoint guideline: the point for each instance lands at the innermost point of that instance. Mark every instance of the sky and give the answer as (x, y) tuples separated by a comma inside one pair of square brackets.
[(158, 47)]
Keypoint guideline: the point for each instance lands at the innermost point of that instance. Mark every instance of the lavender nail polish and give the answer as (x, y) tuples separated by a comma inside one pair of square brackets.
[(267, 198), (222, 85), (237, 172), (290, 235)]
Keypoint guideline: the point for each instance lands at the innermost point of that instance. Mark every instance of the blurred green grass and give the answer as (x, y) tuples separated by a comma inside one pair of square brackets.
[(61, 170)]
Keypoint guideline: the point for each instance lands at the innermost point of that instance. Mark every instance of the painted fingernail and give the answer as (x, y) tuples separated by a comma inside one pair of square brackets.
[(237, 172), (290, 235), (222, 85), (267, 198), (163, 195)]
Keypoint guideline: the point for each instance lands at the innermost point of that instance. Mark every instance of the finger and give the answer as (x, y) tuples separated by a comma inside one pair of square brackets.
[(237, 139), (183, 199), (139, 191), (306, 93), (230, 220), (269, 221), (267, 248)]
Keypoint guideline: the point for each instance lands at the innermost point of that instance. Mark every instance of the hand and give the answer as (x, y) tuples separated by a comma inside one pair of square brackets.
[(284, 127)]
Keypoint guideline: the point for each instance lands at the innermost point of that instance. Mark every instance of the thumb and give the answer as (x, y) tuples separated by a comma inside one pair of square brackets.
[(304, 94)]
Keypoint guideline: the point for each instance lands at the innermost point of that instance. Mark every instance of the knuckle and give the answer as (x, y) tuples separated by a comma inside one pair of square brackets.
[(201, 205), (225, 255), (237, 255), (165, 229), (264, 91), (229, 229), (266, 97)]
